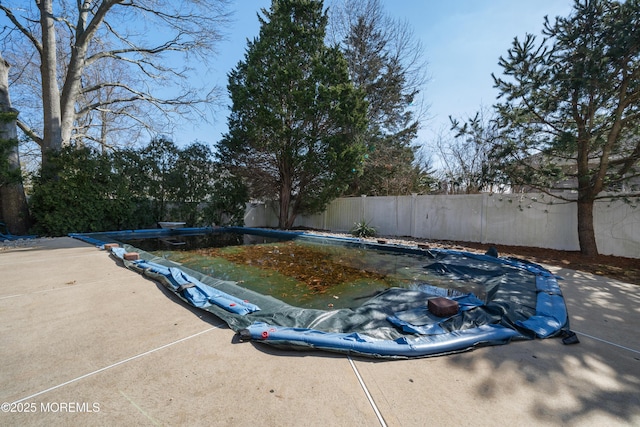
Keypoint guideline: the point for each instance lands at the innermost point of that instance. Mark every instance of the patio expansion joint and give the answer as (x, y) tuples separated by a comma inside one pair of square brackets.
[(366, 392), (121, 362), (607, 342)]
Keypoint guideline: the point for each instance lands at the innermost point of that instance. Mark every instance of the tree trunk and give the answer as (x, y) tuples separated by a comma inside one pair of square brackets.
[(15, 211), (586, 232), (587, 191), (13, 202), (290, 220), (52, 133), (285, 202)]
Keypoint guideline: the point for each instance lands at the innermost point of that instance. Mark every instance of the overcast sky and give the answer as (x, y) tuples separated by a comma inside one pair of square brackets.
[(462, 40)]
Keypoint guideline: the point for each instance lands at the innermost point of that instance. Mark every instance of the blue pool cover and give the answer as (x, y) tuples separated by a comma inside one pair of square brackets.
[(523, 301)]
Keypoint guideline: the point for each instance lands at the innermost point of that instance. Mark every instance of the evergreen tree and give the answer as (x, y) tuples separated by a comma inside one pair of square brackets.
[(385, 62), (570, 109), (156, 175), (193, 173), (296, 122)]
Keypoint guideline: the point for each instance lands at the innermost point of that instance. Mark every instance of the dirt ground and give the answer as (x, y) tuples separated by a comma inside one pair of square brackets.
[(623, 269)]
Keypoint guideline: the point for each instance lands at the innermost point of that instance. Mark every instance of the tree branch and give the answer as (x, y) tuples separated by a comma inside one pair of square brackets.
[(29, 132), (21, 28)]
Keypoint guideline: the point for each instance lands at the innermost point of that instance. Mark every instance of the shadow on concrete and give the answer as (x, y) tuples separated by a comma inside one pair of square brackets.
[(601, 375), (41, 243)]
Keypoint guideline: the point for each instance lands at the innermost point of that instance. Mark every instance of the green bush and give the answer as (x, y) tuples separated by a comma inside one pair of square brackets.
[(227, 203), (82, 190), (363, 229), (79, 192)]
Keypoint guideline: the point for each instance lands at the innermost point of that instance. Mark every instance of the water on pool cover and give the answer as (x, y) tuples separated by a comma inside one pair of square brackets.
[(310, 273)]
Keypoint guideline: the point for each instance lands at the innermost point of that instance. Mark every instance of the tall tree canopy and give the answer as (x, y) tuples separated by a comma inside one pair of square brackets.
[(83, 66), (296, 121), (570, 108), (386, 62)]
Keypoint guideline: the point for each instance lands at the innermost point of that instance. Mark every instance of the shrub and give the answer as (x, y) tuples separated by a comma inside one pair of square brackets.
[(79, 192), (82, 190), (227, 203), (363, 229)]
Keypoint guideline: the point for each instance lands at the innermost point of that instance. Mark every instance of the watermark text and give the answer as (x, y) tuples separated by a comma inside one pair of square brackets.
[(50, 407)]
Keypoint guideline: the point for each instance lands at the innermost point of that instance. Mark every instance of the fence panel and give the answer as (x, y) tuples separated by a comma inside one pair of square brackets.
[(512, 219), (530, 220), (343, 213), (449, 218), (617, 226)]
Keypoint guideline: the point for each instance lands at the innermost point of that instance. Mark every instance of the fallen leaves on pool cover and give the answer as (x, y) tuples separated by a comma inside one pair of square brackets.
[(316, 267)]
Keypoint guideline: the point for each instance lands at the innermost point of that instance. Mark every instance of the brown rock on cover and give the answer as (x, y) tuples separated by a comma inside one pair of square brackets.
[(442, 307)]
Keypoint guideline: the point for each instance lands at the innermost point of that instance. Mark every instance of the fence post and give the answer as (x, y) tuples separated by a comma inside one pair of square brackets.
[(412, 227), (363, 206), (324, 218), (483, 218)]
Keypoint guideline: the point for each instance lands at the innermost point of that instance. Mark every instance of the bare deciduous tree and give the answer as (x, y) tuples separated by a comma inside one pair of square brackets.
[(466, 166), (94, 60)]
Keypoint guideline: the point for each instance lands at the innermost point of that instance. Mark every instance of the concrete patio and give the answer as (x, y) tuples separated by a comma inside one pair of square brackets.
[(84, 341)]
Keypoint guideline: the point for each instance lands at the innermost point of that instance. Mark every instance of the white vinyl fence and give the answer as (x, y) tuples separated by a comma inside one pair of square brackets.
[(512, 219)]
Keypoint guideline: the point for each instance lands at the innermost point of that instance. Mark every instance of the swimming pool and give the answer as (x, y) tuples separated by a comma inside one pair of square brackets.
[(304, 290), (310, 272)]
